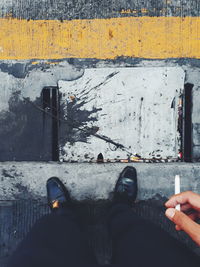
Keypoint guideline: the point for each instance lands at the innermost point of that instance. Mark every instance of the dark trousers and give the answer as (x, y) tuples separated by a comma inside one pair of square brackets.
[(57, 240)]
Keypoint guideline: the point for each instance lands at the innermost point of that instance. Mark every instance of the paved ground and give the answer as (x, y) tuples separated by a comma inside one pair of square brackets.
[(18, 216)]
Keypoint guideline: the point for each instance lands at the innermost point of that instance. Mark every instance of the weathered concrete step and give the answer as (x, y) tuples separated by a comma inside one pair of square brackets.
[(26, 180)]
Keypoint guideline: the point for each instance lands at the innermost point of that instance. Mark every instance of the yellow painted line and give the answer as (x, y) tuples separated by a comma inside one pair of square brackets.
[(143, 37)]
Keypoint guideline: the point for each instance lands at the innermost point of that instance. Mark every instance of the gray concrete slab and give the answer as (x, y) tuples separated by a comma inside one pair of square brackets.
[(26, 180), (22, 84)]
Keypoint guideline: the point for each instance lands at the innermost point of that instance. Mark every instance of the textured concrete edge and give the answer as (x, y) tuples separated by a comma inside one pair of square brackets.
[(26, 180), (22, 68), (69, 9)]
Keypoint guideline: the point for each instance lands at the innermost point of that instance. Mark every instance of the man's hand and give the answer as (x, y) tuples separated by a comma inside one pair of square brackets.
[(190, 211)]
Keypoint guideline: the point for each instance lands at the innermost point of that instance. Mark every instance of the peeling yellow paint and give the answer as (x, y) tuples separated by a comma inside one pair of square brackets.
[(143, 37), (46, 62), (35, 62), (126, 11)]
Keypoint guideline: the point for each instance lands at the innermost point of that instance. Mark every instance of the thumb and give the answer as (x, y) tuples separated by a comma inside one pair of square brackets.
[(185, 223)]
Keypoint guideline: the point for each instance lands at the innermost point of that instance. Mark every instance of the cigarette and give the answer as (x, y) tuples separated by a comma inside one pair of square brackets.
[(177, 189)]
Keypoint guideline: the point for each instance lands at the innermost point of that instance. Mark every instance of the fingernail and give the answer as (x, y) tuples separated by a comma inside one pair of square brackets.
[(170, 213)]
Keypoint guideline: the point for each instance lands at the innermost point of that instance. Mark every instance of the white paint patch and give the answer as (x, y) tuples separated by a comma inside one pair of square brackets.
[(8, 86), (133, 108)]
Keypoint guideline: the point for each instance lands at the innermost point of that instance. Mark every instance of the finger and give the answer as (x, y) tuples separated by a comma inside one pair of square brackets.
[(185, 207), (187, 197), (178, 228), (181, 198), (192, 216), (184, 223)]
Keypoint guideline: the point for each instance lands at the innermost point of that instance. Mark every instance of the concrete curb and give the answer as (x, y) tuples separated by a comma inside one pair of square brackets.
[(26, 180)]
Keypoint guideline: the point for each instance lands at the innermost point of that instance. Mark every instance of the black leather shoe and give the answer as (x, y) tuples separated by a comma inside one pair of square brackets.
[(126, 187), (57, 194)]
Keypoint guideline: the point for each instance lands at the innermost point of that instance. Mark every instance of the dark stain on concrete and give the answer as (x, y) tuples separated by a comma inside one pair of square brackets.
[(85, 92), (6, 174), (18, 70), (76, 119), (23, 190), (22, 69), (22, 135), (74, 125), (140, 119), (110, 34)]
